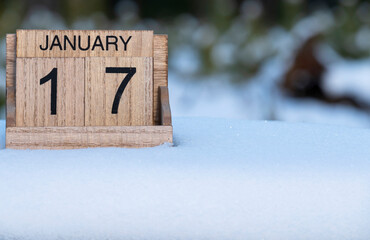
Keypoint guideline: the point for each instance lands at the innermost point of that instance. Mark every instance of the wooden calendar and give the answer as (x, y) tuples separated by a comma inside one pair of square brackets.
[(80, 89)]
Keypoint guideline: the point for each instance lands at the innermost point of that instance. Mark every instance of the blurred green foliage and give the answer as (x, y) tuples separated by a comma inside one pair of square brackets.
[(206, 37), (2, 99)]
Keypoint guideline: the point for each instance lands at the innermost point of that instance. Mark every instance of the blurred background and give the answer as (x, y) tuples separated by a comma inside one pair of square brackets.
[(288, 60)]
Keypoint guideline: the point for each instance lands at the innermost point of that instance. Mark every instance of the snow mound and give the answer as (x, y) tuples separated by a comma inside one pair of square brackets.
[(223, 179)]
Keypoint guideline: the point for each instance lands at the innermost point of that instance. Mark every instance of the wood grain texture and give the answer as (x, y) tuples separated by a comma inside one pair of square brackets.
[(87, 137), (165, 107), (31, 42), (160, 70), (37, 129), (10, 80), (136, 104), (33, 105)]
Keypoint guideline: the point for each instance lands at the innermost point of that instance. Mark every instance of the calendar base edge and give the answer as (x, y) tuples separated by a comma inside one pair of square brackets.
[(87, 137)]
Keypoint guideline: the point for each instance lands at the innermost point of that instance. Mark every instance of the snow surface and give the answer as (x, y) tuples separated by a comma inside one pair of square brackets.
[(349, 78), (260, 97), (223, 179)]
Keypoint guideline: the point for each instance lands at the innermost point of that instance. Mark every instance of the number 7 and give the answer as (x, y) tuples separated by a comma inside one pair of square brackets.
[(130, 73)]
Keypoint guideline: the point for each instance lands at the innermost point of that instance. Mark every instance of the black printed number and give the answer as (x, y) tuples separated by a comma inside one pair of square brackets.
[(130, 73), (53, 77)]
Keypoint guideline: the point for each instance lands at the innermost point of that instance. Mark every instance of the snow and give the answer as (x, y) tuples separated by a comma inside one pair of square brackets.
[(223, 179), (349, 78), (260, 97), (313, 111)]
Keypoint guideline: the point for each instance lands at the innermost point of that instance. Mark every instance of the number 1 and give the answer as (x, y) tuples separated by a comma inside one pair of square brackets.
[(53, 77)]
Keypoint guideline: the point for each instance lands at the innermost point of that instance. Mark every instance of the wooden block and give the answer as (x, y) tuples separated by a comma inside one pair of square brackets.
[(85, 137), (10, 80), (85, 83), (160, 70), (80, 43), (105, 77), (165, 107), (35, 102)]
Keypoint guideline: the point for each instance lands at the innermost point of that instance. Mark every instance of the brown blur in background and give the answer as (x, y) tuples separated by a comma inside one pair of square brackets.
[(289, 60)]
